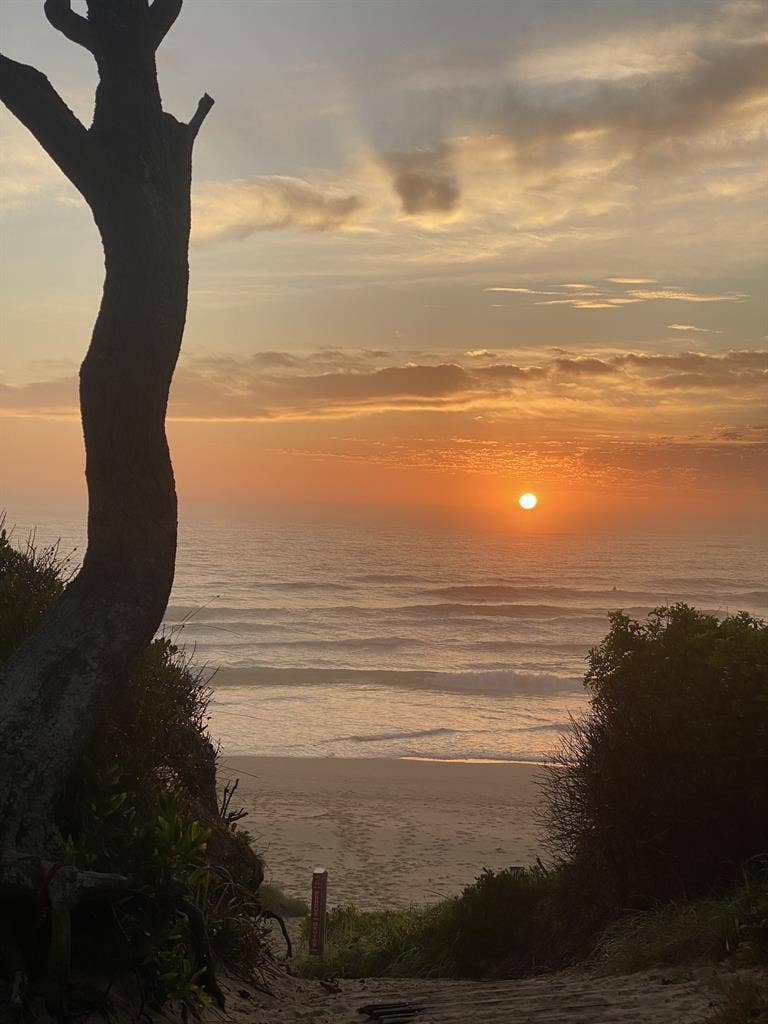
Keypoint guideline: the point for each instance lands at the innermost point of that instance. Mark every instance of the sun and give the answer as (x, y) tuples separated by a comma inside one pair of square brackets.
[(528, 501)]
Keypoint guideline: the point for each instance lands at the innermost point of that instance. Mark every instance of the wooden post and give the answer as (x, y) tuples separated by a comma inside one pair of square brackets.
[(317, 918)]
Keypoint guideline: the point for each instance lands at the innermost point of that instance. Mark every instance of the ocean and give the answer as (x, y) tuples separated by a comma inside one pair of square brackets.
[(351, 641)]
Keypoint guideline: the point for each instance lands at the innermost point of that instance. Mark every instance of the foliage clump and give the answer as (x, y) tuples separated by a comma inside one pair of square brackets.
[(30, 581), (463, 936), (143, 803), (663, 785)]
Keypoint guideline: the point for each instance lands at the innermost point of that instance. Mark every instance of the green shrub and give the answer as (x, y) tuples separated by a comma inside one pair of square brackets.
[(494, 920), (662, 787), (30, 581)]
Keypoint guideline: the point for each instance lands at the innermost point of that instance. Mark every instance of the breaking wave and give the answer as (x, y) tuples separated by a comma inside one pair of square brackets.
[(502, 682)]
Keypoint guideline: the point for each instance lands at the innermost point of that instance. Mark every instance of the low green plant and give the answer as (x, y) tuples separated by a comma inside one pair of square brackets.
[(494, 920), (146, 836), (275, 900), (742, 999), (732, 925)]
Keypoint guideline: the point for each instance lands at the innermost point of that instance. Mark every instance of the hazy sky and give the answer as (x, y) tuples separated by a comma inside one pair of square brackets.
[(443, 252)]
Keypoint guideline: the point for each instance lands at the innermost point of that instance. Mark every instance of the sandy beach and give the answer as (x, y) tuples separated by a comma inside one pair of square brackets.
[(391, 833)]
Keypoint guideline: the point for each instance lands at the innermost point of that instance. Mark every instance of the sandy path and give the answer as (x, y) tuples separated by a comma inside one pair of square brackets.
[(391, 833), (565, 998)]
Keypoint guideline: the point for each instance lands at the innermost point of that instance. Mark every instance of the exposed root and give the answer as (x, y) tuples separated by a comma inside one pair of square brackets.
[(270, 915), (202, 949)]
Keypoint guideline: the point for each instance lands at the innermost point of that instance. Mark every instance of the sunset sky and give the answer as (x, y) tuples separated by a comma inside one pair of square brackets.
[(443, 253)]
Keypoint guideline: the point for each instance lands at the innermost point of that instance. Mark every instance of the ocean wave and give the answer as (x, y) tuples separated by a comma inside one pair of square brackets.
[(189, 613), (503, 592), (349, 643), (510, 611), (224, 613), (519, 646), (385, 577), (696, 583), (300, 585), (506, 682), (375, 737), (653, 598), (754, 597)]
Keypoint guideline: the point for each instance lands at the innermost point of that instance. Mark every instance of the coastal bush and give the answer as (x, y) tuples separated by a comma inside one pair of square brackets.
[(495, 919), (143, 803), (30, 580), (662, 787)]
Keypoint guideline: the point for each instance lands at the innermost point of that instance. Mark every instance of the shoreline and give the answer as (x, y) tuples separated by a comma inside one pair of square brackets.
[(392, 832)]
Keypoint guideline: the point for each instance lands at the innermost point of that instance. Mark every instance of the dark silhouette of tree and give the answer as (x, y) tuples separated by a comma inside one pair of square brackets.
[(133, 167)]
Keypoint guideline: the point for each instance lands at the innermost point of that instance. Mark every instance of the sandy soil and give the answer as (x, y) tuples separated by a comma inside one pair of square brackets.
[(651, 997), (390, 833)]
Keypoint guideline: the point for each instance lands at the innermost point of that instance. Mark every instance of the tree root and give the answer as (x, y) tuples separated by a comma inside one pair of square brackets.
[(270, 915), (202, 948)]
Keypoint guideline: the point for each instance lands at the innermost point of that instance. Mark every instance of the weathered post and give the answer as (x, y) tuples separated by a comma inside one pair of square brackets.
[(318, 911)]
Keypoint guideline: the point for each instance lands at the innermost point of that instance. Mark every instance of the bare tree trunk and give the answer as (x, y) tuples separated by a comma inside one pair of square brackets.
[(133, 166)]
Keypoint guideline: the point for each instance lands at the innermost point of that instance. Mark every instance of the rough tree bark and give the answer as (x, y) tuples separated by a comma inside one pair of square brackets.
[(133, 167)]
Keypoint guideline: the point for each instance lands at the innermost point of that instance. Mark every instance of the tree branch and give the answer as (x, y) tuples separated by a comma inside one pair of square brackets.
[(60, 14), (32, 99), (203, 108), (163, 14)]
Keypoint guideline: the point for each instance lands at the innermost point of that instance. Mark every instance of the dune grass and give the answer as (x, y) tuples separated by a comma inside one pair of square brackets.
[(732, 925), (511, 923)]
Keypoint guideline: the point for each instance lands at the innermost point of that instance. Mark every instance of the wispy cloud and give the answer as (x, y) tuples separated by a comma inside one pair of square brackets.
[(238, 209), (520, 291), (681, 295), (588, 296), (632, 280), (691, 329)]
